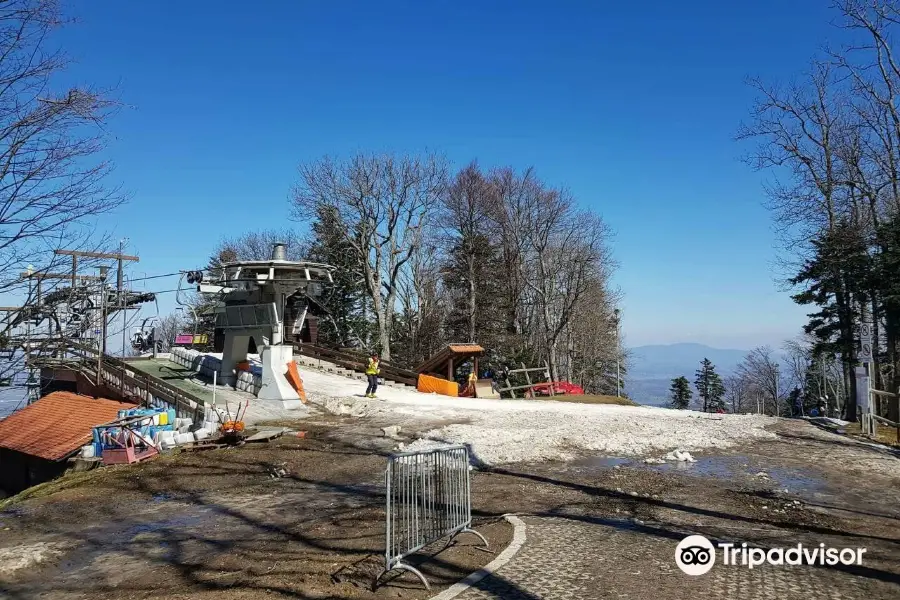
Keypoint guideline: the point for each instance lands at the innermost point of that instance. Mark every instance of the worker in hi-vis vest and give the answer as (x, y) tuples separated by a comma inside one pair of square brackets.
[(372, 371)]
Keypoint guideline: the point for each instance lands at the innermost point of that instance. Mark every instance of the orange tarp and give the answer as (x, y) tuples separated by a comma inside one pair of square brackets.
[(293, 377), (428, 384)]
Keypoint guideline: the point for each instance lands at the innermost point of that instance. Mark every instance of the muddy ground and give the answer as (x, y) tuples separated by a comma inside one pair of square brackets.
[(216, 524)]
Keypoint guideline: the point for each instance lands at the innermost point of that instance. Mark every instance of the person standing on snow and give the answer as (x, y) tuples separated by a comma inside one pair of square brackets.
[(372, 371)]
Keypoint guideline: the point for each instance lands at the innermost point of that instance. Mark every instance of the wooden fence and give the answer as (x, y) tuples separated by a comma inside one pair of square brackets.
[(530, 385), (357, 361)]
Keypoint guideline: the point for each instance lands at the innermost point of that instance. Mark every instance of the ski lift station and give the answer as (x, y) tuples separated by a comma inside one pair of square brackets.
[(254, 301)]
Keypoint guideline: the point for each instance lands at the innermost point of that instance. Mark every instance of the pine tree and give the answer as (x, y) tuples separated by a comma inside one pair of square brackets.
[(681, 393), (709, 386), (344, 323), (488, 327), (837, 279)]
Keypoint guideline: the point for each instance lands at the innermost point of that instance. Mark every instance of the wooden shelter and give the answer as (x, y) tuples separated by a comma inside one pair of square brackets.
[(444, 362)]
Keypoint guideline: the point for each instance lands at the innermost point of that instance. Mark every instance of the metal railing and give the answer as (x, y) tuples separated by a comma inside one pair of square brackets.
[(428, 498)]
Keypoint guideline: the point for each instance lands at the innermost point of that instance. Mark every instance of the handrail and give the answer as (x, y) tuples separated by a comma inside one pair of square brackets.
[(357, 363), (116, 368)]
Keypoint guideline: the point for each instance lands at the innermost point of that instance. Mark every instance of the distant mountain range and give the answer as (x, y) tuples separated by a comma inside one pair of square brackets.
[(652, 368)]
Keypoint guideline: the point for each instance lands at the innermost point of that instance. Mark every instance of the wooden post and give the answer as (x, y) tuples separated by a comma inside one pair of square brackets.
[(529, 393), (450, 369)]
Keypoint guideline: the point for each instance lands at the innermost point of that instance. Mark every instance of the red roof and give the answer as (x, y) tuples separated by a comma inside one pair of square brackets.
[(57, 425)]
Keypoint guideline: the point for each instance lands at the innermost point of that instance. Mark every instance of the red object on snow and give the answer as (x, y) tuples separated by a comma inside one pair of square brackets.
[(559, 388)]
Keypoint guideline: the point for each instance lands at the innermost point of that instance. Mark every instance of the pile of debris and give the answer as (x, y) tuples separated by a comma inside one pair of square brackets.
[(139, 433)]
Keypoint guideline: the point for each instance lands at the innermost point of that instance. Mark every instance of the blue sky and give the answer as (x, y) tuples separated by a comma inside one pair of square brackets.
[(632, 106)]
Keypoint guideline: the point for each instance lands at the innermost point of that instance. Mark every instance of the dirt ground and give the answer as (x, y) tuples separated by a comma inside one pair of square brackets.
[(216, 524)]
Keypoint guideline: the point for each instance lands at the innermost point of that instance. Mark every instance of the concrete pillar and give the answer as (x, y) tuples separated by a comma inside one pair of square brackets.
[(275, 385), (233, 352)]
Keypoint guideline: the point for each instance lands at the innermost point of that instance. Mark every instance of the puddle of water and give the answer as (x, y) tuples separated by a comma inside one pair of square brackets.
[(795, 481), (172, 524), (741, 467), (722, 467), (600, 462)]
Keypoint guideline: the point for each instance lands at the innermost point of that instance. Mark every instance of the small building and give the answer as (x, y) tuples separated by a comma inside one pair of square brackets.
[(443, 363), (37, 441)]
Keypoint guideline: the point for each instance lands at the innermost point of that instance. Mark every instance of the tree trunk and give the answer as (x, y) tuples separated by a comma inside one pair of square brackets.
[(551, 359), (875, 371), (472, 302), (382, 316), (848, 350)]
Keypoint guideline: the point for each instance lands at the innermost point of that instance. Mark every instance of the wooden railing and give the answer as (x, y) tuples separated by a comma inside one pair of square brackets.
[(131, 383), (545, 370), (357, 361)]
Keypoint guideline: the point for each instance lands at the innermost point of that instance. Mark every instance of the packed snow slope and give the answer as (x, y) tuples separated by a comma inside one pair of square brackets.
[(506, 431)]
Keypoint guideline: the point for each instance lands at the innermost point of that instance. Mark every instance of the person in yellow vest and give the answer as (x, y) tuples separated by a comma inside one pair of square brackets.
[(372, 371), (470, 384)]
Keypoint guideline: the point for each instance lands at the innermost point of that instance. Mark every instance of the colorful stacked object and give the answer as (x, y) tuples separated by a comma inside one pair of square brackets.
[(156, 421)]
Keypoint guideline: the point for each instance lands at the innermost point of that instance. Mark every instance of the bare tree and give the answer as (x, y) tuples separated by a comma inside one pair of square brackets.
[(798, 354), (385, 200), (761, 370), (593, 347), (422, 305), (803, 130), (566, 252), (469, 200), (513, 190), (52, 179), (737, 391), (167, 328), (257, 245)]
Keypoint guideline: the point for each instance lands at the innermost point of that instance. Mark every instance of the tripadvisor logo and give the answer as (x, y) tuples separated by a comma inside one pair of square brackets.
[(696, 555)]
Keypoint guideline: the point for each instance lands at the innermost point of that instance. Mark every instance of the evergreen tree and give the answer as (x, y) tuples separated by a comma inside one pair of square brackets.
[(487, 320), (837, 279), (681, 393), (709, 386), (796, 398), (345, 323)]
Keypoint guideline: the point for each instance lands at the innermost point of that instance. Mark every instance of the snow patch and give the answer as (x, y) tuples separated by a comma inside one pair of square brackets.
[(26, 555), (508, 431)]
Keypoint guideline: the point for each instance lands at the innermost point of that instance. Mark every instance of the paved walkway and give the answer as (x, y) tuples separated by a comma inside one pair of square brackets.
[(570, 559)]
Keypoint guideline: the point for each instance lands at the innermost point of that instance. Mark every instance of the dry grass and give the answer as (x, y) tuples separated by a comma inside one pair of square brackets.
[(590, 399), (67, 481), (884, 434)]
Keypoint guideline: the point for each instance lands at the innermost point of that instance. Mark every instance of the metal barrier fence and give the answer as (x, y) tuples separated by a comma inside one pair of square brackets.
[(428, 498)]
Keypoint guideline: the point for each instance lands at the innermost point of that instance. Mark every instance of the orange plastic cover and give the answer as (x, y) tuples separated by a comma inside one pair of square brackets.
[(428, 384), (293, 377)]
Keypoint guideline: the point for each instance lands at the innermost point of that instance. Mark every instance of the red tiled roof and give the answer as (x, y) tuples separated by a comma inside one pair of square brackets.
[(57, 425)]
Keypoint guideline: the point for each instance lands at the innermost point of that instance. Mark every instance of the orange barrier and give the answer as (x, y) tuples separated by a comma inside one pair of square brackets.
[(428, 384), (293, 377), (242, 366)]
